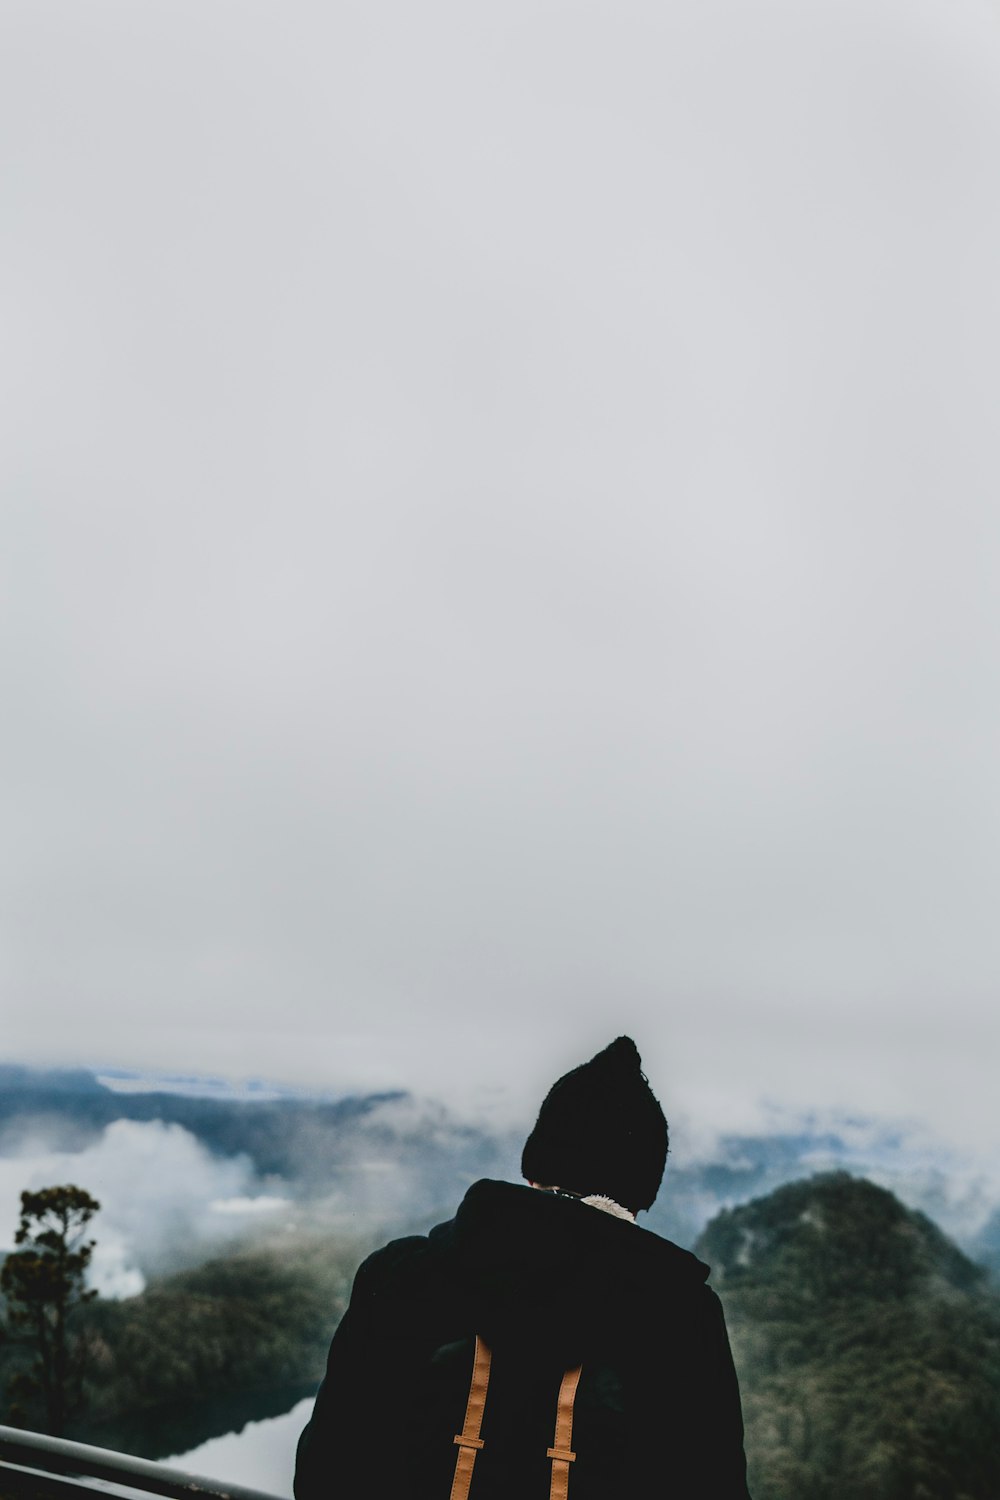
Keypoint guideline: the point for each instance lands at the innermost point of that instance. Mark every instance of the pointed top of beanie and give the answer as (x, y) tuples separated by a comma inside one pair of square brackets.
[(601, 1130), (621, 1053)]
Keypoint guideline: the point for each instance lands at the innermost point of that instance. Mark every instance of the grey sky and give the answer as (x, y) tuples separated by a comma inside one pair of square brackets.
[(500, 543)]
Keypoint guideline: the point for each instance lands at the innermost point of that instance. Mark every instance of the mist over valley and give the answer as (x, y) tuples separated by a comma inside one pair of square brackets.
[(186, 1169)]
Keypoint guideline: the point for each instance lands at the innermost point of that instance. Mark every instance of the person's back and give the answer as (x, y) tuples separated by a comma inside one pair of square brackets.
[(515, 1295)]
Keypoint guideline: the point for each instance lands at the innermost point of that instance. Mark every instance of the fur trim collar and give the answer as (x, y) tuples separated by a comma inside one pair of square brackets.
[(595, 1200), (609, 1206)]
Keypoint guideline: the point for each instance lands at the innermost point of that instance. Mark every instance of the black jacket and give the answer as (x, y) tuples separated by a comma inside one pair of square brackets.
[(548, 1282)]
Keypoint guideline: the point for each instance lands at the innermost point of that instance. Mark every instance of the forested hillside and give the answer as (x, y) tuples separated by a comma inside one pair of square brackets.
[(868, 1347)]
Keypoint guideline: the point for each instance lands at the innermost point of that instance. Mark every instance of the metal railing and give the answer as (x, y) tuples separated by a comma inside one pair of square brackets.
[(39, 1467)]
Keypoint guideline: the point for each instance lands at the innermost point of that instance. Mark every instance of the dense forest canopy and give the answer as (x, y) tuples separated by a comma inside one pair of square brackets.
[(868, 1347)]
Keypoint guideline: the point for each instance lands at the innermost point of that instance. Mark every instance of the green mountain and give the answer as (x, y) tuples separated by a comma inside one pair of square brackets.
[(868, 1347)]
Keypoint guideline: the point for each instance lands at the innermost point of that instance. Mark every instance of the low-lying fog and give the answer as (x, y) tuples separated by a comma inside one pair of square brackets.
[(168, 1200)]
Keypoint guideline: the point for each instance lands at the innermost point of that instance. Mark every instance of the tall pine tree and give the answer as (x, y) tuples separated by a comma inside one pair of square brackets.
[(43, 1285)]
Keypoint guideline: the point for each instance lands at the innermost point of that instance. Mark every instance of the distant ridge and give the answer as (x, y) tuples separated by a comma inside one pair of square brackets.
[(385, 1159), (282, 1136), (16, 1079)]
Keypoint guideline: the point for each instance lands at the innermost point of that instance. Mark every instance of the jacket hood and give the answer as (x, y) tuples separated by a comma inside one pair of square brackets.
[(541, 1266)]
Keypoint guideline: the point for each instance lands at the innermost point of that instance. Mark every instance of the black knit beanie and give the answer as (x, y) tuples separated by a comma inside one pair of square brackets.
[(601, 1130)]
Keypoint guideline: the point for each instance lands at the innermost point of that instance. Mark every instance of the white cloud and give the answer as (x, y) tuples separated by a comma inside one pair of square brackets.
[(262, 1204), (158, 1188)]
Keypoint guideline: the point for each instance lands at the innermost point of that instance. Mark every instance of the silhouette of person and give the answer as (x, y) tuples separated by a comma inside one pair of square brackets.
[(539, 1345)]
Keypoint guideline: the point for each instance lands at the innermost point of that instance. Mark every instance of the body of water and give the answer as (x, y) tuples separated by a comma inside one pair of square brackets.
[(261, 1455)]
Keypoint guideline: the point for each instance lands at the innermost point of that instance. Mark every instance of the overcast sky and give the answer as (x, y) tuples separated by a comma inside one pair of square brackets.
[(500, 544)]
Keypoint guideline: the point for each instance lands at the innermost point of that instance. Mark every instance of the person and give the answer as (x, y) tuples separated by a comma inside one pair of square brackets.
[(539, 1345)]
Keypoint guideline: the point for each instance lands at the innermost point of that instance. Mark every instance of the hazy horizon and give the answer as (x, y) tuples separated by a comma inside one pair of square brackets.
[(181, 1187)]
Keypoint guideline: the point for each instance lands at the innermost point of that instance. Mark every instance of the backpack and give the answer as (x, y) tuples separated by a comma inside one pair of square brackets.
[(470, 1443)]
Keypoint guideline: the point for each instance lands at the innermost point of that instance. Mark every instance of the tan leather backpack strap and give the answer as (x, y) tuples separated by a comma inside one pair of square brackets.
[(468, 1440), (561, 1452)]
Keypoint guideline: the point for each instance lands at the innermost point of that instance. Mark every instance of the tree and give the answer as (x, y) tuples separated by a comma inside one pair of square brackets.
[(43, 1285)]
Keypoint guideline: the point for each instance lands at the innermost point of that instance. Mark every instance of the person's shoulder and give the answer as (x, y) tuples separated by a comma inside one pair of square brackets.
[(386, 1266), (675, 1280), (403, 1265), (663, 1256)]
